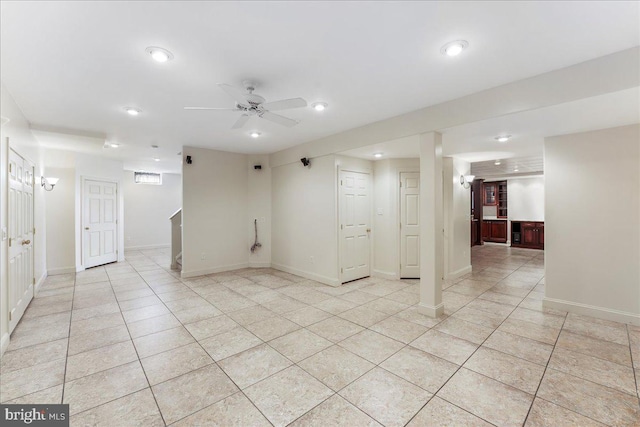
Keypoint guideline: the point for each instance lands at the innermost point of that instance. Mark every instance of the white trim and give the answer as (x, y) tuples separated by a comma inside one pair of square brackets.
[(398, 219), (259, 264), (39, 283), (220, 269), (458, 273), (146, 247), (389, 275), (311, 276), (4, 343), (593, 311), (119, 221), (431, 311), (62, 270)]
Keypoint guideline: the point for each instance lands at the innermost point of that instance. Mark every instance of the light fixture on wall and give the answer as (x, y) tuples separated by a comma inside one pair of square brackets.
[(466, 180), (48, 183)]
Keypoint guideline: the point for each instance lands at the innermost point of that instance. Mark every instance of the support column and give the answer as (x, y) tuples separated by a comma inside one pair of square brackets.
[(431, 225)]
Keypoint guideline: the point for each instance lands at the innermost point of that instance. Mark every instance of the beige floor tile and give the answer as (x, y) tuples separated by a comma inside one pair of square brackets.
[(383, 288), (196, 314), (385, 305), (591, 368), (99, 310), (420, 368), (33, 355), (100, 359), (412, 315), (283, 304), (287, 395), (143, 313), (47, 396), (273, 327), (335, 329), (186, 303), (176, 295), (464, 330), (139, 302), (150, 326), (335, 411), (137, 409), (590, 328), (544, 319), (491, 400), (96, 323), (299, 345), (32, 379), (253, 365), (407, 298), (597, 402), (524, 348), (250, 315), (306, 316), (358, 297), (390, 400), (501, 298), (398, 329), (235, 410), (128, 295), (371, 345), (439, 413), (189, 393), (492, 307), (102, 387), (543, 414), (479, 317), (173, 363), (335, 305), (229, 343), (149, 345), (40, 330), (210, 327), (336, 367), (446, 346), (507, 369), (91, 340), (365, 317), (530, 330)]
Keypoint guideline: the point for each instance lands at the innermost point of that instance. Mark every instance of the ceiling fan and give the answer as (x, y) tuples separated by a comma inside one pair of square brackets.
[(251, 104)]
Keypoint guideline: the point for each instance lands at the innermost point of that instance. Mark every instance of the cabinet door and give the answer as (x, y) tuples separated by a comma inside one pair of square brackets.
[(486, 230), (490, 198), (541, 235), (499, 230), (529, 236)]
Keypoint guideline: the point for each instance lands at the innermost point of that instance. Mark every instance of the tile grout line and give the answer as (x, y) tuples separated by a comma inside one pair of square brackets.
[(66, 360)]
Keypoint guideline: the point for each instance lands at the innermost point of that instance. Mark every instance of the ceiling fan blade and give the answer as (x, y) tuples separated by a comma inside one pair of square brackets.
[(240, 122), (276, 118), (210, 108), (285, 104), (234, 93)]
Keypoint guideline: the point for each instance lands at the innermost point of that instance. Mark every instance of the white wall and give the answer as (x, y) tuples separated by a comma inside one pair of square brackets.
[(61, 220), (99, 168), (259, 183), (147, 209), (457, 223), (592, 254), (214, 212), (304, 222), (526, 199)]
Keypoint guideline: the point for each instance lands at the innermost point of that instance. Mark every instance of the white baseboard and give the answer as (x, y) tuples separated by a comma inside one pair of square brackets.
[(431, 311), (253, 264), (64, 270), (389, 275), (458, 273), (220, 269), (39, 283), (146, 247), (4, 343), (307, 275), (593, 311)]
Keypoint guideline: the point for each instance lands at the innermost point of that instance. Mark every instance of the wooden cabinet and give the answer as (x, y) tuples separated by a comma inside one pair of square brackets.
[(494, 231), (490, 191), (502, 199), (495, 194), (527, 234)]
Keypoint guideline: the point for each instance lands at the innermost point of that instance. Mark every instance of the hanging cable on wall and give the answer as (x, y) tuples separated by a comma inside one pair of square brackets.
[(256, 245)]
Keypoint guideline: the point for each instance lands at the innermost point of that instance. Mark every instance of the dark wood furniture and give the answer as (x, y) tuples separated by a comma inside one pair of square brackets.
[(494, 231), (502, 199), (476, 212), (527, 234), (490, 193)]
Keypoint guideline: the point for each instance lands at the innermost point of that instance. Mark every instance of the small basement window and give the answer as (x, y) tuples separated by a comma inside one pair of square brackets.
[(147, 178)]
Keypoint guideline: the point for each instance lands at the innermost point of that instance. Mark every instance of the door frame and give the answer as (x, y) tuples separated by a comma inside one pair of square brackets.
[(83, 180), (397, 198), (369, 173)]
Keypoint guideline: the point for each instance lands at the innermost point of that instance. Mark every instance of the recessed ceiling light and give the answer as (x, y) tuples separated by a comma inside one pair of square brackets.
[(497, 163), (159, 54), (255, 134), (503, 138), (132, 111), (319, 106), (377, 155), (454, 48), (515, 169), (156, 159)]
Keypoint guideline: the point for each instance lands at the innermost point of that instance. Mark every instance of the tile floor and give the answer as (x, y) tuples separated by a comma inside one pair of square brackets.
[(132, 344)]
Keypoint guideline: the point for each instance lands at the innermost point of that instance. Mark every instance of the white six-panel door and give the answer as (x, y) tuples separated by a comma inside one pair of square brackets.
[(355, 225), (409, 225), (99, 222), (20, 218)]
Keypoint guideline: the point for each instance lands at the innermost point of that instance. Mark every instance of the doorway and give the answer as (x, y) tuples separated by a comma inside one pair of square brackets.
[(99, 222), (410, 225), (355, 225)]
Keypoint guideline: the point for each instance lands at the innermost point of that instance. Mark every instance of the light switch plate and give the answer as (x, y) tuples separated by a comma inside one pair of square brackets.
[(380, 211)]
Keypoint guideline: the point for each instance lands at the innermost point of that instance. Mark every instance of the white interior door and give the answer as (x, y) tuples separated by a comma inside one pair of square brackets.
[(410, 225), (355, 220), (21, 274), (99, 222)]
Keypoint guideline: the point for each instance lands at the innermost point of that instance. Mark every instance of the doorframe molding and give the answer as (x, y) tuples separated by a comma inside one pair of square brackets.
[(398, 174), (369, 173), (83, 179)]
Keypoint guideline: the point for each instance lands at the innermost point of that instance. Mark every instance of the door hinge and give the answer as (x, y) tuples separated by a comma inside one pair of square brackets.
[(34, 280), (340, 182), (10, 169), (341, 270), (341, 226), (400, 184), (10, 316), (34, 230), (116, 221), (10, 239), (400, 225)]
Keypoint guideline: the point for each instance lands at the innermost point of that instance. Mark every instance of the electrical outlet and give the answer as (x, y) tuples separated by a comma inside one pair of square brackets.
[(203, 256)]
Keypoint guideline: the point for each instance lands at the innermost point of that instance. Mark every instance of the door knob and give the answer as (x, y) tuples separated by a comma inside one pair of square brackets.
[(26, 242), (86, 228), (368, 230)]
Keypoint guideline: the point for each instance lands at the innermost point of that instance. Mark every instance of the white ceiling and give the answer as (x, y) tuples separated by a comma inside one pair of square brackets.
[(76, 65)]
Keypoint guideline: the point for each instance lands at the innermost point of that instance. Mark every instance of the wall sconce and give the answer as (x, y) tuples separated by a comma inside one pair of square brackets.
[(48, 183), (466, 180)]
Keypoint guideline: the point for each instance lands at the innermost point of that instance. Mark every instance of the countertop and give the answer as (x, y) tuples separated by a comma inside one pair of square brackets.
[(493, 218)]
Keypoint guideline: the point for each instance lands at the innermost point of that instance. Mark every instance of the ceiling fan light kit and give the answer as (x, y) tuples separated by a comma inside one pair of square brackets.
[(251, 104)]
